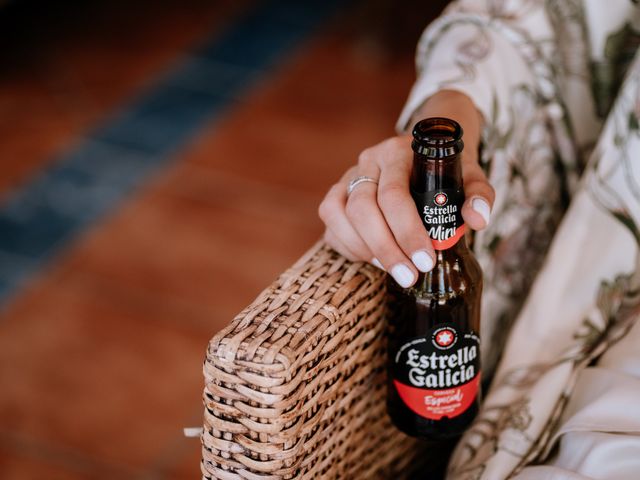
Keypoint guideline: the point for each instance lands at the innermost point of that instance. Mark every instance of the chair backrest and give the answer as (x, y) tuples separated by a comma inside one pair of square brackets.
[(295, 385)]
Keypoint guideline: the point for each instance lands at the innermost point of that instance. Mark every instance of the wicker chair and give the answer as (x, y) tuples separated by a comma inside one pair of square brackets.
[(295, 385)]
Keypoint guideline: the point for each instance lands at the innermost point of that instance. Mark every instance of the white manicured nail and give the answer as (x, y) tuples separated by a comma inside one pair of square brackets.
[(402, 274), (376, 263), (422, 260), (482, 207)]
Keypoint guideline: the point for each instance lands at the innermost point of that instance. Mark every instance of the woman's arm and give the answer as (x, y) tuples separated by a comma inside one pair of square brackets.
[(469, 63)]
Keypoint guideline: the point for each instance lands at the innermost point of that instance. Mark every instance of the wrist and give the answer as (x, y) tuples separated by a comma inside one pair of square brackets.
[(459, 107)]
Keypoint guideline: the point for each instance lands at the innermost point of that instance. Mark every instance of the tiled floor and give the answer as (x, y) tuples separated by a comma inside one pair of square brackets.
[(101, 347), (72, 63)]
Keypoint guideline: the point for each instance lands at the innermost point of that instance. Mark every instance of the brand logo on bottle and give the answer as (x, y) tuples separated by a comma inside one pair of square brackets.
[(444, 338), (440, 199), (438, 375), (442, 216)]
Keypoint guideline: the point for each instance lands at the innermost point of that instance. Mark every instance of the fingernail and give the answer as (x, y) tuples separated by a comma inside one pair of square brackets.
[(402, 274), (422, 260), (376, 263), (481, 206)]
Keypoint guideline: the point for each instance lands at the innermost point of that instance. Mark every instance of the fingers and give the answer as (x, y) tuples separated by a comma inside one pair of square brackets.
[(380, 223), (367, 219), (341, 235), (479, 194), (399, 208), (339, 246)]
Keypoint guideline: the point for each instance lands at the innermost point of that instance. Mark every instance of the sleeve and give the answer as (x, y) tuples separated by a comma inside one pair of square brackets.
[(482, 48), (502, 54)]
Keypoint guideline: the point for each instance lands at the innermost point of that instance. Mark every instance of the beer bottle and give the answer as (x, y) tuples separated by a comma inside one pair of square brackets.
[(433, 327)]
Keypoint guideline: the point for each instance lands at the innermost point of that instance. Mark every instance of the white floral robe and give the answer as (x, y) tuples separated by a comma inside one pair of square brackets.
[(558, 84)]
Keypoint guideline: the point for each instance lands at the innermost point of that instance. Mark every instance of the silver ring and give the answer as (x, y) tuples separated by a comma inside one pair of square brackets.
[(357, 181)]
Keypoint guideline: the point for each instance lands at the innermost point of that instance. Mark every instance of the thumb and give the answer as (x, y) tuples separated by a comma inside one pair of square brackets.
[(480, 195)]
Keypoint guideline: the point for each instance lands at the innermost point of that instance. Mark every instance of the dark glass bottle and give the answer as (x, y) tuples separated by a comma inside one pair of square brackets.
[(433, 327)]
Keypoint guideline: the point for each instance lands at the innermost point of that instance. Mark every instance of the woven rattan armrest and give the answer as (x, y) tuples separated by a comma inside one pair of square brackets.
[(295, 385)]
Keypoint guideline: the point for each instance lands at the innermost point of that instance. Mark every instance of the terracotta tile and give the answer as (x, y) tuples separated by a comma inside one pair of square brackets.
[(121, 64), (201, 241), (16, 466), (52, 91), (24, 460), (86, 368), (187, 465), (25, 159), (285, 207), (308, 124)]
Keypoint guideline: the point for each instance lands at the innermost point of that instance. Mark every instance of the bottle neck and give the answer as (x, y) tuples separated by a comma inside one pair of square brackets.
[(432, 174), (436, 186)]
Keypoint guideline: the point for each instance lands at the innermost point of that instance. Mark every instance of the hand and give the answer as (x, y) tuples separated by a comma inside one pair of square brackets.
[(380, 223)]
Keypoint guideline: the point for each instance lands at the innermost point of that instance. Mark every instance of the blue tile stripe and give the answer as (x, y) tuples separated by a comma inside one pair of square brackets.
[(105, 166)]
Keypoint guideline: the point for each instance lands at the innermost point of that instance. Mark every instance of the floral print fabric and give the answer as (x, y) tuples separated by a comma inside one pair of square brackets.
[(561, 286)]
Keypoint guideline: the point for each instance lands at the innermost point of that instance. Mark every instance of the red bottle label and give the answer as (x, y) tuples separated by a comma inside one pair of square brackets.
[(438, 375), (441, 213)]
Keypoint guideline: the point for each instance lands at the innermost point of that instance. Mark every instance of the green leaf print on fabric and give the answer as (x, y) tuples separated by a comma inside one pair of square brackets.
[(607, 75)]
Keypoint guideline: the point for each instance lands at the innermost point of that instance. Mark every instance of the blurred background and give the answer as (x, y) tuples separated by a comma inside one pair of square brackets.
[(162, 163)]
